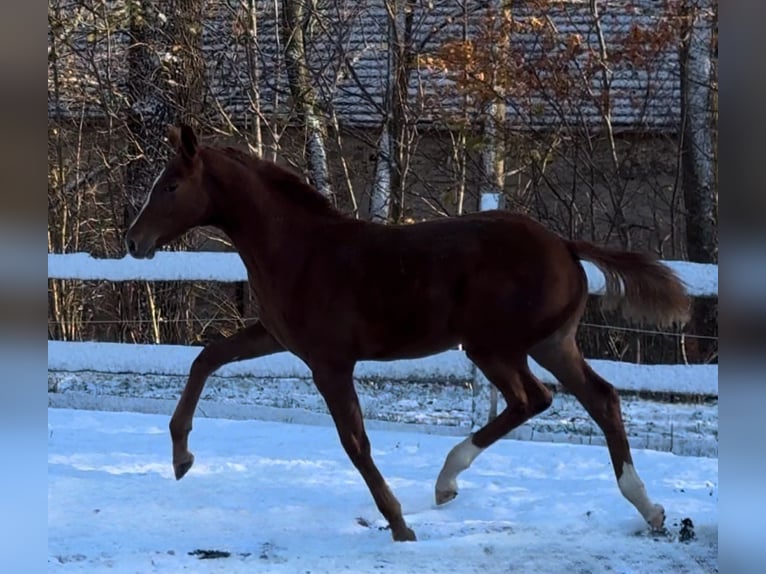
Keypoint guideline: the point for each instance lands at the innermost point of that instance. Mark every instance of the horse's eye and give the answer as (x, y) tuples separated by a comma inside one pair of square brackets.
[(172, 187)]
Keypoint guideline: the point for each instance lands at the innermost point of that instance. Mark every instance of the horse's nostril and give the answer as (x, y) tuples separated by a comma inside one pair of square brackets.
[(131, 247)]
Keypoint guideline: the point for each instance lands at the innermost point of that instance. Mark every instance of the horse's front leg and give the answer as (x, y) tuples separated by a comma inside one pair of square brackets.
[(249, 343), (337, 389)]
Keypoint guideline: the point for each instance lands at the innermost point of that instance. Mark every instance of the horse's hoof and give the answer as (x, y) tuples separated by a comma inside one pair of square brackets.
[(657, 519), (181, 468), (445, 496), (405, 534)]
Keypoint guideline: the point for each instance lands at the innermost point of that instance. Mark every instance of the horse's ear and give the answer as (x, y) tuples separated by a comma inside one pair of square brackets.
[(174, 137), (188, 141)]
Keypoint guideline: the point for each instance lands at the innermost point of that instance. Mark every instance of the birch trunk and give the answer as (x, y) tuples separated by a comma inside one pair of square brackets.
[(493, 149), (294, 19), (385, 165), (492, 156), (255, 76), (380, 198), (394, 149)]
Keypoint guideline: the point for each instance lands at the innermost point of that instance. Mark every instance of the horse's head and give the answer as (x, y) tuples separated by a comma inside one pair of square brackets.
[(176, 202)]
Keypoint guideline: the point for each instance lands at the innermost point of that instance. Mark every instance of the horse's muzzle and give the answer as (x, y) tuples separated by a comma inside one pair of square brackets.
[(140, 251)]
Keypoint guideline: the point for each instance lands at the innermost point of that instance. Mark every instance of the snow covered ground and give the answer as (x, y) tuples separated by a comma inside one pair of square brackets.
[(438, 393), (283, 498), (682, 428)]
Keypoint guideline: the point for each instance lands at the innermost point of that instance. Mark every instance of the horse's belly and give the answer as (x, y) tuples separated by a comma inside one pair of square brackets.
[(401, 335), (411, 349)]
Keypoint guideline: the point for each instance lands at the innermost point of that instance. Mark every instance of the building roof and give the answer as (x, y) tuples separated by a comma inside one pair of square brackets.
[(347, 47)]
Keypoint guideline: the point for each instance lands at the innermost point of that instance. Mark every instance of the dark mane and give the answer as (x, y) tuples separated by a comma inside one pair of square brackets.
[(289, 183)]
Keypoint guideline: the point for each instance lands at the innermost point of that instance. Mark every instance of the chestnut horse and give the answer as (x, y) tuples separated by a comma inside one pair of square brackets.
[(334, 290)]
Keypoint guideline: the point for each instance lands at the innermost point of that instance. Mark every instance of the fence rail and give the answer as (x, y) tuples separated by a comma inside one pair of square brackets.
[(701, 279), (445, 367), (442, 394)]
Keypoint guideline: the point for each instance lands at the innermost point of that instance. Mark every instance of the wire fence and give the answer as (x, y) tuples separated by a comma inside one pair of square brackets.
[(186, 320)]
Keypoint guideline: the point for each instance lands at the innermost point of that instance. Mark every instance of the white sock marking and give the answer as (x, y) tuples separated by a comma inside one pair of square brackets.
[(459, 458), (634, 490)]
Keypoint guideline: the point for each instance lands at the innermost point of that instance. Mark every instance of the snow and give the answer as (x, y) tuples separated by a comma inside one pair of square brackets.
[(165, 266), (284, 498), (176, 360), (701, 279), (441, 394), (447, 366)]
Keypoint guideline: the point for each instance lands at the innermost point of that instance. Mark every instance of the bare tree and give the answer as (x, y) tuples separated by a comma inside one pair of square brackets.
[(295, 21), (401, 18), (185, 62), (254, 73), (494, 109), (393, 149), (148, 112), (380, 197), (698, 105), (385, 157), (697, 132)]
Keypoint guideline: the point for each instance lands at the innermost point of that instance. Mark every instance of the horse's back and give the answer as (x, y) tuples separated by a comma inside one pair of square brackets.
[(494, 240), (493, 274)]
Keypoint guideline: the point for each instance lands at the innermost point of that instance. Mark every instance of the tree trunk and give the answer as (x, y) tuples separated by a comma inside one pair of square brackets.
[(400, 14), (698, 164), (604, 102), (380, 198), (255, 76), (700, 193), (294, 19), (493, 154), (493, 148), (387, 167)]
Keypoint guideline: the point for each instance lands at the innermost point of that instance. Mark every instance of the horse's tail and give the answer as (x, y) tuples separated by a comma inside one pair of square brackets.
[(642, 288)]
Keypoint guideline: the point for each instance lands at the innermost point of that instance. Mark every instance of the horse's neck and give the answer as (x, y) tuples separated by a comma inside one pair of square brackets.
[(262, 225)]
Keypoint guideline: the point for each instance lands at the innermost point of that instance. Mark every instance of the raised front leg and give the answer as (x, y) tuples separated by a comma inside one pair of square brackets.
[(249, 343), (337, 388)]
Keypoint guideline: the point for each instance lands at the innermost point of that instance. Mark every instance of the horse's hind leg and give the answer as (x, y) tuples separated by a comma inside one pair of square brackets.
[(250, 342), (525, 397), (337, 389), (561, 356)]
